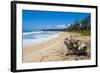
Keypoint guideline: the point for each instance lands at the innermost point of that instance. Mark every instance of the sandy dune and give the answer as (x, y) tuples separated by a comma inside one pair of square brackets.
[(53, 50)]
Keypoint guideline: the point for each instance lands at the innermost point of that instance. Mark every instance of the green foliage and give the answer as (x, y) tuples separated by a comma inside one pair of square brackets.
[(83, 26)]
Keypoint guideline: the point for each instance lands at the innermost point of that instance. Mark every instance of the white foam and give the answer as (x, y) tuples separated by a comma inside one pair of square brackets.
[(39, 39), (26, 33)]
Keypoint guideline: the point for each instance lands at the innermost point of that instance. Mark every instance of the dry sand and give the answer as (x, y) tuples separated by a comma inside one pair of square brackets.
[(53, 50)]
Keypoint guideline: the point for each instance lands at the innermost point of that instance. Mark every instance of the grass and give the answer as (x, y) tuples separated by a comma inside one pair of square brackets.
[(83, 32)]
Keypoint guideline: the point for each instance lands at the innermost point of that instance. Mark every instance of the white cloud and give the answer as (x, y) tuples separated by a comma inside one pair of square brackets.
[(61, 26)]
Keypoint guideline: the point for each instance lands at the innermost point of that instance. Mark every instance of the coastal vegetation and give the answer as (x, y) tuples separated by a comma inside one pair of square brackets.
[(83, 26)]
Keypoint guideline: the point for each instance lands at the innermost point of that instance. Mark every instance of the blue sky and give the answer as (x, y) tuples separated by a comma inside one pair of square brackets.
[(36, 20)]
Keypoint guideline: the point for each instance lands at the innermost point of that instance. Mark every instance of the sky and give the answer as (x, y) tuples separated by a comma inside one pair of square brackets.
[(36, 20)]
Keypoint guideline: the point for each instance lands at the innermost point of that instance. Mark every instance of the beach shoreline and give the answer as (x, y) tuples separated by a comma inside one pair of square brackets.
[(51, 50), (37, 37)]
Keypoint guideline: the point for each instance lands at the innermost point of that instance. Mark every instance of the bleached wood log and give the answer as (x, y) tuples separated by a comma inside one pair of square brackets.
[(75, 47)]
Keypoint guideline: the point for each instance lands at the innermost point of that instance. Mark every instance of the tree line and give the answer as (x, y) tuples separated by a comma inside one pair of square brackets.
[(81, 25)]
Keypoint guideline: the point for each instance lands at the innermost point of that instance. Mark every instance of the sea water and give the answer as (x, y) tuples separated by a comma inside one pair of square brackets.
[(35, 37)]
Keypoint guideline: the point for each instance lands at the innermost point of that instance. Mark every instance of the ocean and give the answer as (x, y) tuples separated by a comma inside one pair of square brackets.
[(35, 37)]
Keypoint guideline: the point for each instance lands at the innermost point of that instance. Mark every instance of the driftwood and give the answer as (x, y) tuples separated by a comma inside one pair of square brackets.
[(75, 47)]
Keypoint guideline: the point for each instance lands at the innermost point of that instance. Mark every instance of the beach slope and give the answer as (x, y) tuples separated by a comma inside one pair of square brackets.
[(53, 49)]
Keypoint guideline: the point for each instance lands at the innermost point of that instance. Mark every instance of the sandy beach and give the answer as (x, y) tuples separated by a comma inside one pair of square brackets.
[(53, 49)]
